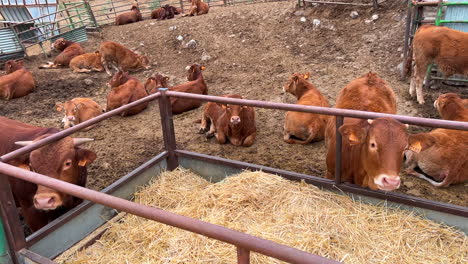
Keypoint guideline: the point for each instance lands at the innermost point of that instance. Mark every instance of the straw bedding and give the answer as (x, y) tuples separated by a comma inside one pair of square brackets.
[(270, 207)]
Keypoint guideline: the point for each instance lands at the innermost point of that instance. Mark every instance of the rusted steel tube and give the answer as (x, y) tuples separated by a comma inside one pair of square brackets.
[(71, 130), (325, 110), (263, 246), (167, 124), (338, 142), (243, 256)]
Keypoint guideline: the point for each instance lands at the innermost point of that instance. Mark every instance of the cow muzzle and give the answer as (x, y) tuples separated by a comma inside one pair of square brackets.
[(387, 182), (235, 120), (47, 201)]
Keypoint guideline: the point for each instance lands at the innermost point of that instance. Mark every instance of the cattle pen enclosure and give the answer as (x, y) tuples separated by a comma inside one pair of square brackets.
[(250, 49)]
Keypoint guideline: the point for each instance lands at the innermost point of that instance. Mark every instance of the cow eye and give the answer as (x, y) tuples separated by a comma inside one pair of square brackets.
[(67, 164)]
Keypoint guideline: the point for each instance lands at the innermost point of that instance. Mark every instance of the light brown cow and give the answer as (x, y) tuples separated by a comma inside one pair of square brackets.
[(448, 48), (303, 128), (128, 17), (372, 151), (196, 84), (440, 156), (120, 58), (155, 82), (69, 50), (198, 7), (125, 89), (87, 62), (233, 123), (78, 110), (18, 82)]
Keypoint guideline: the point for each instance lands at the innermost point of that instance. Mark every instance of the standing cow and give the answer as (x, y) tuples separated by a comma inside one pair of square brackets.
[(372, 150), (303, 128), (18, 82), (62, 160)]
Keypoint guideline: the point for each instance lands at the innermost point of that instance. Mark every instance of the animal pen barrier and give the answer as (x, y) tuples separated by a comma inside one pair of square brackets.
[(70, 228)]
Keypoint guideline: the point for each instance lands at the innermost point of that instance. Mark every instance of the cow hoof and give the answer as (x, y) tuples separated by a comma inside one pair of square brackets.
[(201, 130), (209, 135)]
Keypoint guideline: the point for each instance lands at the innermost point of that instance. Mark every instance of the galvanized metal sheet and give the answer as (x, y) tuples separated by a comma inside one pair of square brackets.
[(8, 43), (77, 35), (457, 13), (15, 14)]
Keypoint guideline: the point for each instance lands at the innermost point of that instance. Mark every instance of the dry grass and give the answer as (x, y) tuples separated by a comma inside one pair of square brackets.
[(270, 207)]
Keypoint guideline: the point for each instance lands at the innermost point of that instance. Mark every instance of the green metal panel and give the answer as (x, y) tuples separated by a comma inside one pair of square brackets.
[(10, 48), (76, 35), (4, 257)]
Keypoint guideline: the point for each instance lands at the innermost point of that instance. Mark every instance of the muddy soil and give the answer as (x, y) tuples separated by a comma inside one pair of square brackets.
[(250, 50)]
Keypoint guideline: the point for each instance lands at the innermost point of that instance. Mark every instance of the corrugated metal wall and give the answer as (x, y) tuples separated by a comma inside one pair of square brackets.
[(457, 13), (9, 45)]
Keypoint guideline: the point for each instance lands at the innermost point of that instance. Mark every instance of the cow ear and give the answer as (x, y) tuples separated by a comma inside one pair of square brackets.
[(420, 142), (59, 107), (353, 133), (78, 106), (202, 68), (85, 156), (295, 78)]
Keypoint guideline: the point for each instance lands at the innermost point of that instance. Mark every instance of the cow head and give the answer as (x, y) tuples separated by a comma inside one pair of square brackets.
[(60, 44), (155, 82), (234, 112), (383, 142), (194, 71), (71, 113), (292, 86), (144, 61), (118, 79), (12, 66), (62, 160), (449, 105)]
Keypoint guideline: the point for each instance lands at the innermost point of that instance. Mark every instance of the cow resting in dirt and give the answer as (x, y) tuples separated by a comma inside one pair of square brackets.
[(132, 16), (87, 62), (372, 150), (125, 89), (120, 58), (303, 128), (18, 82), (440, 156), (155, 82), (196, 84), (233, 123), (165, 12), (446, 47), (78, 110), (62, 160), (198, 7), (69, 50)]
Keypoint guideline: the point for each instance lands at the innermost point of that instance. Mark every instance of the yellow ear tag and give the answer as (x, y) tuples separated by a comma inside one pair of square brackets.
[(82, 163), (203, 68), (416, 147), (306, 76)]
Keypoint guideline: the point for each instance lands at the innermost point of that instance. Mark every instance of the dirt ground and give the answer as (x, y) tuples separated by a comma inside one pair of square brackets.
[(250, 50)]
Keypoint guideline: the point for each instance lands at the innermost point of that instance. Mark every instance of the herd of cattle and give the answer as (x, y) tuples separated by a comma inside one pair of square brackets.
[(372, 155)]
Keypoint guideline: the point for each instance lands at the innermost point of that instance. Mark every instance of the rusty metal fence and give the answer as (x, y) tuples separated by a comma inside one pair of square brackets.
[(244, 243)]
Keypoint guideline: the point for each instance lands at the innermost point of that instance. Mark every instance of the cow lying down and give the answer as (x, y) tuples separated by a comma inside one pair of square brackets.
[(69, 50), (18, 82), (78, 110)]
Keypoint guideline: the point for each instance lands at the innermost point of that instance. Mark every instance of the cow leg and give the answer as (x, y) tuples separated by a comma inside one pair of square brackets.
[(249, 140), (106, 66), (204, 124), (220, 137), (82, 70)]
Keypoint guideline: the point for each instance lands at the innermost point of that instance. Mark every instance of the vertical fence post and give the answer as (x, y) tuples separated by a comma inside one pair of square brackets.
[(182, 5), (11, 223), (338, 144), (243, 256), (376, 4), (168, 129), (91, 14)]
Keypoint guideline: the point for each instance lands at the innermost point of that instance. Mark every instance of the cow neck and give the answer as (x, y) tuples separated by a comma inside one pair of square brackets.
[(197, 75), (303, 87), (455, 111), (68, 44)]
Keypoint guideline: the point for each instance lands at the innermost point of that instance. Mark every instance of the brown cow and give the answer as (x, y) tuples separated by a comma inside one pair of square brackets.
[(18, 82), (62, 160), (442, 158), (448, 48), (165, 12), (128, 17), (69, 50), (155, 82), (78, 110), (233, 123), (198, 7), (303, 128), (196, 84), (372, 151), (120, 58), (125, 89), (87, 62)]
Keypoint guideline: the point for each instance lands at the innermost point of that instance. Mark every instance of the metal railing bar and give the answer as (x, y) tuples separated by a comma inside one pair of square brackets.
[(71, 130), (50, 14), (429, 122), (263, 246)]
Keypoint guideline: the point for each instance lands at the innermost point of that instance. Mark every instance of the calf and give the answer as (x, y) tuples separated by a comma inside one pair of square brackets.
[(120, 58), (165, 12), (62, 160), (196, 84), (69, 50), (444, 46), (128, 17), (155, 82), (439, 156), (18, 82), (372, 150), (125, 89), (78, 110), (198, 7), (303, 128), (233, 123), (87, 62)]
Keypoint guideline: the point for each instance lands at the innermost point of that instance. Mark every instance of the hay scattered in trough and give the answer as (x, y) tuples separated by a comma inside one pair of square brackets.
[(270, 207)]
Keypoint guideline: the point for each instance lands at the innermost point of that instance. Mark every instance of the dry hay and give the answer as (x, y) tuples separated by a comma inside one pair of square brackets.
[(270, 207)]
